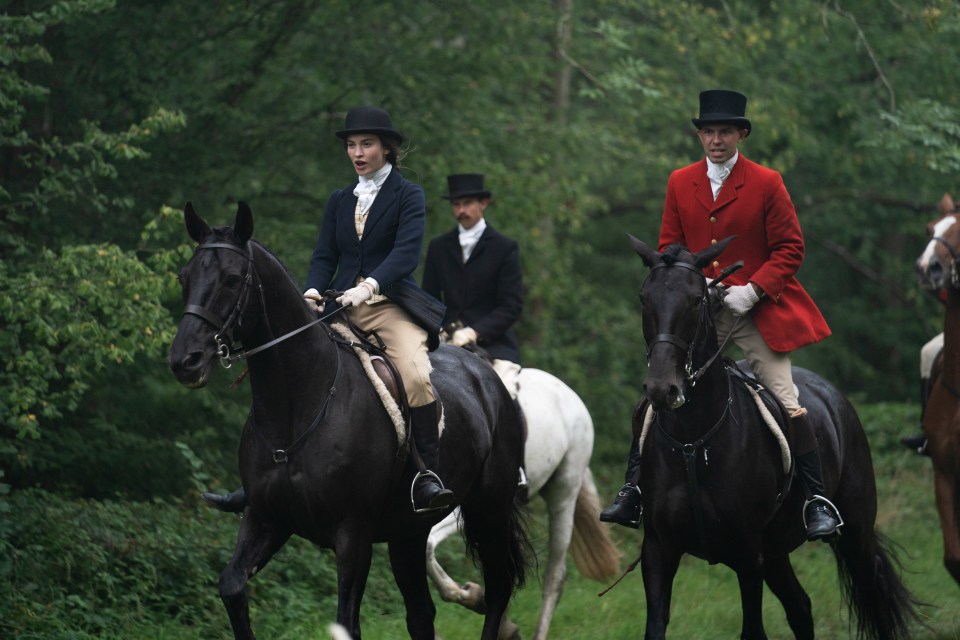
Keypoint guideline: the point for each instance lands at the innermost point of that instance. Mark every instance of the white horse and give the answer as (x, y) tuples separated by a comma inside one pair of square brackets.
[(558, 448)]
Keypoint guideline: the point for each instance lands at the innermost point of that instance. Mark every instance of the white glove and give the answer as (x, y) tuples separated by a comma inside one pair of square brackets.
[(314, 300), (463, 337), (355, 296), (740, 299)]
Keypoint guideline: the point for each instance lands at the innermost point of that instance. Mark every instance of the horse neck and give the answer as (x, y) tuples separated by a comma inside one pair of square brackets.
[(294, 374), (951, 340)]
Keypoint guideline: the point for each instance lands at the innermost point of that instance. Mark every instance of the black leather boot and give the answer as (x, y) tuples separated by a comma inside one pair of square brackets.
[(427, 492), (820, 516), (230, 503), (627, 507), (918, 443)]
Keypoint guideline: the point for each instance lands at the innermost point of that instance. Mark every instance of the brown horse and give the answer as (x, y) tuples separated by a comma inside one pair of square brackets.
[(937, 269)]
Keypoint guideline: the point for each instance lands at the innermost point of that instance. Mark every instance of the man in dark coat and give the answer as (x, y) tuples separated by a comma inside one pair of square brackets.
[(475, 271)]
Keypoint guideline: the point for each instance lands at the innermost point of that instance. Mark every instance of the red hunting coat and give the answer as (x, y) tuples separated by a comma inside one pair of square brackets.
[(754, 205)]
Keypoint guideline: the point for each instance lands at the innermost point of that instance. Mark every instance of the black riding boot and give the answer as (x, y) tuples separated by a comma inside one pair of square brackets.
[(627, 507), (820, 516), (918, 443), (230, 503), (427, 492)]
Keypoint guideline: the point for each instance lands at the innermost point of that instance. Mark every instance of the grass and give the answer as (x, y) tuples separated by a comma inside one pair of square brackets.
[(294, 597)]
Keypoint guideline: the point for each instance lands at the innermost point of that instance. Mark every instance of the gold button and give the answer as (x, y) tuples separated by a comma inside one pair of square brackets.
[(713, 218), (714, 241), (715, 264)]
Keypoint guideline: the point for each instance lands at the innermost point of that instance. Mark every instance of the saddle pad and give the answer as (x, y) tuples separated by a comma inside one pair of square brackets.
[(393, 409)]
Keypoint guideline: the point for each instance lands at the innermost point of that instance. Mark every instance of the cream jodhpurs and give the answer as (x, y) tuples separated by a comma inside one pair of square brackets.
[(772, 368), (406, 346)]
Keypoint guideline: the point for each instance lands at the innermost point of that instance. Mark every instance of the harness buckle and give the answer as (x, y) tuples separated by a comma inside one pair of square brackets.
[(280, 456)]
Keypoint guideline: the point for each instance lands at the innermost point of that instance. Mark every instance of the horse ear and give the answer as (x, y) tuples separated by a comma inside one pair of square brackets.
[(196, 227), (649, 256), (946, 204), (706, 256), (243, 228)]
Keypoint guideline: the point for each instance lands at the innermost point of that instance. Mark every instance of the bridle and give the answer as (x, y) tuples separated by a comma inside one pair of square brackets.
[(692, 376), (224, 335), (955, 255)]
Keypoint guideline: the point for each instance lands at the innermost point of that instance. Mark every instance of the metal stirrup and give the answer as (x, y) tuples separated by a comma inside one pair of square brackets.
[(816, 498), (421, 474)]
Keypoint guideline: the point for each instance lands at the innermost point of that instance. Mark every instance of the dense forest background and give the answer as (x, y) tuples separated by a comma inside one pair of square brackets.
[(115, 113)]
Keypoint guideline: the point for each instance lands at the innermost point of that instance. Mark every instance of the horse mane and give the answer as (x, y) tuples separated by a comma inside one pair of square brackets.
[(674, 253)]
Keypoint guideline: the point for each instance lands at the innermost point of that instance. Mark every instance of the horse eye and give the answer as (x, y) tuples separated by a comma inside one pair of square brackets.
[(231, 281)]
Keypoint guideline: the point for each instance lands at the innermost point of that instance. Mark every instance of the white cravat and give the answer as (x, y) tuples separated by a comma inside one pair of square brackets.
[(368, 188), (718, 173), (470, 237)]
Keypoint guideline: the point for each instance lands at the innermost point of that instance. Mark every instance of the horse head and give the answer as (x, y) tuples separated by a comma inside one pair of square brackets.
[(677, 325), (937, 265), (218, 284)]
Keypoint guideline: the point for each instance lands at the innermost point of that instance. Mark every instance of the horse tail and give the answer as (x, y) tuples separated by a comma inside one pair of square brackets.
[(871, 584), (591, 545), (483, 533)]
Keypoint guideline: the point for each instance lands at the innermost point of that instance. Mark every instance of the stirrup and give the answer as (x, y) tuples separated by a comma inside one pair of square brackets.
[(836, 511), (413, 503), (523, 483)]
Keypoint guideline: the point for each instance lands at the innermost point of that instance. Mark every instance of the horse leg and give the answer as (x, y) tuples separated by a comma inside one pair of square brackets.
[(561, 502), (780, 577), (470, 595), (948, 495), (257, 542), (659, 567), (751, 600), (354, 551), (408, 561)]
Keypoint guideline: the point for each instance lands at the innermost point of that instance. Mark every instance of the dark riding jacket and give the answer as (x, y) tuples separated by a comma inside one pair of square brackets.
[(485, 294)]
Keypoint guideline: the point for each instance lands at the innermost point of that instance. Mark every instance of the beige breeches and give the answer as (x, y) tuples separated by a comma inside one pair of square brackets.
[(406, 345), (772, 368)]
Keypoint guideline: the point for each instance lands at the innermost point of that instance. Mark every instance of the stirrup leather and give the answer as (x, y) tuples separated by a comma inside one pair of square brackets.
[(413, 503), (816, 498)]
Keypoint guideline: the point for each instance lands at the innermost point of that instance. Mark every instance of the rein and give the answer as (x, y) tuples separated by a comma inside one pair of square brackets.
[(226, 326)]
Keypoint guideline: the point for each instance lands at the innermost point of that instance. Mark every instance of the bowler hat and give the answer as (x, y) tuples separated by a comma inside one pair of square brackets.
[(466, 185), (722, 106), (369, 120)]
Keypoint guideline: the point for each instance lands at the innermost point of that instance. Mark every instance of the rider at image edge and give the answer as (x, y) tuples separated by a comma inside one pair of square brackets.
[(370, 240), (766, 308)]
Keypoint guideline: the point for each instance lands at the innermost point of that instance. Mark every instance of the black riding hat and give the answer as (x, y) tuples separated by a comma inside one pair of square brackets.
[(466, 185), (369, 120), (722, 106)]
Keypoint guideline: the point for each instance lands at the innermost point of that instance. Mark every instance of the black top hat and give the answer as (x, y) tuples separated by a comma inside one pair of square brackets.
[(722, 106), (369, 120), (466, 185)]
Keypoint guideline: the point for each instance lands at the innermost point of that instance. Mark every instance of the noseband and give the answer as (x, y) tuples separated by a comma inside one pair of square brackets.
[(226, 326)]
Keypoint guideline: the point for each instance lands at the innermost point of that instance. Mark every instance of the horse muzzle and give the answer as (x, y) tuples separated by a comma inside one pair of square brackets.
[(664, 396)]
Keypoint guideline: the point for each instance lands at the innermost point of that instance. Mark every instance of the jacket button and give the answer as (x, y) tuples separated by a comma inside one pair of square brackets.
[(714, 241), (716, 265), (713, 218)]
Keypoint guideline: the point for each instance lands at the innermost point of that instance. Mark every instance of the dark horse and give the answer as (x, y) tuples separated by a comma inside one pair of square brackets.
[(724, 504), (938, 269), (319, 455)]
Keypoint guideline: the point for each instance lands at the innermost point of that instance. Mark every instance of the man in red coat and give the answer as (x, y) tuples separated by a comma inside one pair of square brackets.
[(770, 314)]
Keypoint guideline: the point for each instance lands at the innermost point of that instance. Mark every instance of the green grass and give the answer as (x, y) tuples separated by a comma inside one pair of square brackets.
[(149, 571)]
